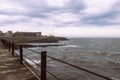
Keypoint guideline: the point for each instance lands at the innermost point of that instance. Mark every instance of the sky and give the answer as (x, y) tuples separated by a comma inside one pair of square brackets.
[(67, 18)]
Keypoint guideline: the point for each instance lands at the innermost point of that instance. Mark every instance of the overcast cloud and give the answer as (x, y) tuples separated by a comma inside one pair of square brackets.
[(70, 18)]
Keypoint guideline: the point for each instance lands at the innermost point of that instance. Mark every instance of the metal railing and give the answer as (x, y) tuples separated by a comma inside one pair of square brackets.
[(11, 47), (43, 63)]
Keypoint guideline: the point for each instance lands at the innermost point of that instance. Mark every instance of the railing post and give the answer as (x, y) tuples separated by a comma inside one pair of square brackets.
[(5, 44), (43, 65), (12, 48), (21, 55), (9, 46)]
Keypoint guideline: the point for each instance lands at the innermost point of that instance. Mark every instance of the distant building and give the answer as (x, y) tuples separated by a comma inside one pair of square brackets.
[(8, 34), (27, 34), (1, 33), (38, 34)]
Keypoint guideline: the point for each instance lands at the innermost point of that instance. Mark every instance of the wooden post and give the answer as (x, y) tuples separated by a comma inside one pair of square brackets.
[(9, 46), (12, 48), (5, 44), (43, 65), (21, 55)]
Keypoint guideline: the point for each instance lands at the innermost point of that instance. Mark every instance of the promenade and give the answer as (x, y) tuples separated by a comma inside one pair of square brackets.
[(11, 69)]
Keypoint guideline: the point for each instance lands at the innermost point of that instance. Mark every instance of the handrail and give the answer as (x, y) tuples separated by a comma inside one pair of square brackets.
[(31, 60), (11, 45), (40, 66), (32, 50), (36, 75), (99, 75)]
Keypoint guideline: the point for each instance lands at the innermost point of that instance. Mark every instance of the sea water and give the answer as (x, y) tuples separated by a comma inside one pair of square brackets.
[(100, 55)]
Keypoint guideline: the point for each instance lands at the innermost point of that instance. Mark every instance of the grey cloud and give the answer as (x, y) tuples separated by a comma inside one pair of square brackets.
[(8, 22), (103, 20), (8, 12), (39, 9)]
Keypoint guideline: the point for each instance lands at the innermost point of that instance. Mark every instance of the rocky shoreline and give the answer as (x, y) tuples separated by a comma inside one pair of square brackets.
[(50, 39)]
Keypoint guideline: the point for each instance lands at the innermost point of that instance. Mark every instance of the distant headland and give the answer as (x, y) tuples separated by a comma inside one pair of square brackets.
[(30, 37)]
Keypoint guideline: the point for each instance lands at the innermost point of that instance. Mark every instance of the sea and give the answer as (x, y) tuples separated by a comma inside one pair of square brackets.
[(99, 55)]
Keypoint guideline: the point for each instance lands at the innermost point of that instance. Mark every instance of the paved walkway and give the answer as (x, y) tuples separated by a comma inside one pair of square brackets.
[(11, 69)]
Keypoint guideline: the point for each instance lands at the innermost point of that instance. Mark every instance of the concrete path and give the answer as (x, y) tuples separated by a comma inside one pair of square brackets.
[(11, 69)]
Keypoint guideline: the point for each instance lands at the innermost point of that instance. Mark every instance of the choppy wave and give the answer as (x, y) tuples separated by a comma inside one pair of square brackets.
[(72, 46), (31, 63)]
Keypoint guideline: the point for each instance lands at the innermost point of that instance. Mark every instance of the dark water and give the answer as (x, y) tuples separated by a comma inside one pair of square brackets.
[(101, 55)]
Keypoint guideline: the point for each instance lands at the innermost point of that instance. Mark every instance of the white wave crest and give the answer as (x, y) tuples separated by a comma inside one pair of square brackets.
[(70, 46)]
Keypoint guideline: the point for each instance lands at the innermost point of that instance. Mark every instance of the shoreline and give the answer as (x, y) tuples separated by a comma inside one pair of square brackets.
[(50, 39)]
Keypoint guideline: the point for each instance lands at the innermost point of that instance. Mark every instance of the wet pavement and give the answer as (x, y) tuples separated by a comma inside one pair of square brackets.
[(11, 69)]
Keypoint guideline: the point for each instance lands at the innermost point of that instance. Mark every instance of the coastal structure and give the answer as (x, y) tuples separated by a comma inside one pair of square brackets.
[(1, 33), (27, 34), (20, 34), (8, 34)]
